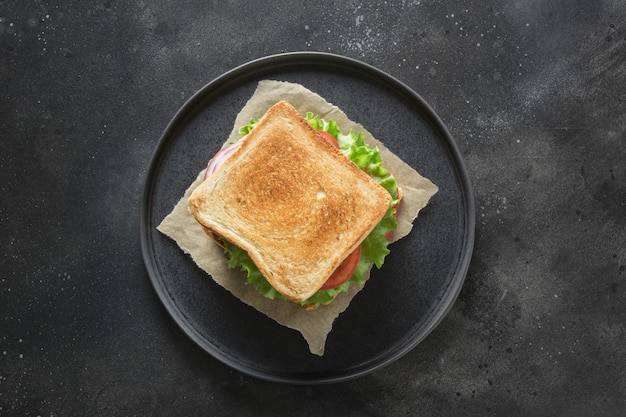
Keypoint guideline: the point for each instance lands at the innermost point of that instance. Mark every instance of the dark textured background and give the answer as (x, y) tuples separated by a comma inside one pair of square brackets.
[(534, 92)]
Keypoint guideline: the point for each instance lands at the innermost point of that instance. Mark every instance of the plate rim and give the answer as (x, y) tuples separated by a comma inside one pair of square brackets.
[(295, 60)]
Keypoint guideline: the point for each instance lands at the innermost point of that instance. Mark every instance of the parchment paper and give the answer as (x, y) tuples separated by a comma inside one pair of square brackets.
[(183, 228)]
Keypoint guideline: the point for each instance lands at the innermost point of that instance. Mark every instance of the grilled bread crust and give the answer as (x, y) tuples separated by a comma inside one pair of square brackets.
[(293, 202)]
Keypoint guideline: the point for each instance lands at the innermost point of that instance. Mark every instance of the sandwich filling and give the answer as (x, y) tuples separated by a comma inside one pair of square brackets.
[(373, 249)]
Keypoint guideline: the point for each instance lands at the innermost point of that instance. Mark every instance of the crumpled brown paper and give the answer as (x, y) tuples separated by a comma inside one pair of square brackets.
[(190, 237)]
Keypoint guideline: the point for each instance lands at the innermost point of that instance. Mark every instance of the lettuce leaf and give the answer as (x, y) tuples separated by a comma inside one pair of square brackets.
[(374, 246), (244, 130)]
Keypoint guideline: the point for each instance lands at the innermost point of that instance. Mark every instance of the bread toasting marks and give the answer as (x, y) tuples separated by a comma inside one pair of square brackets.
[(293, 202)]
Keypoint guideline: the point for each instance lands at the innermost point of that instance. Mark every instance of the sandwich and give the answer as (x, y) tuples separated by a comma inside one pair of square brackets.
[(303, 209)]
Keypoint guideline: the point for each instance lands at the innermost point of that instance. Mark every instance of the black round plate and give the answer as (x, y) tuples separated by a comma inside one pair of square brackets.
[(401, 303)]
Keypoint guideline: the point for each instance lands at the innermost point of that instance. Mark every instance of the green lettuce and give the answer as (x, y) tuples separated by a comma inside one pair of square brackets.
[(374, 247)]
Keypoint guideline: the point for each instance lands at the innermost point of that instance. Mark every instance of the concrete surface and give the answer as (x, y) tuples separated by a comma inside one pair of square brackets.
[(534, 92)]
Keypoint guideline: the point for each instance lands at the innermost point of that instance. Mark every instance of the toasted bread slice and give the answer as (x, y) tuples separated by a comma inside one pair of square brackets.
[(296, 204)]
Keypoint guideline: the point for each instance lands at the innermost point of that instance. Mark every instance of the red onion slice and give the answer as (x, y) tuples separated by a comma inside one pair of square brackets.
[(220, 157)]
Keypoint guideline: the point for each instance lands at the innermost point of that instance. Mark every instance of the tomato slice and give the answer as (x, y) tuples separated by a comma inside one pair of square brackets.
[(330, 138), (344, 271)]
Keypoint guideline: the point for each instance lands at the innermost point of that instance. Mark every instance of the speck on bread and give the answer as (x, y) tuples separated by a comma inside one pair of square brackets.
[(291, 200)]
